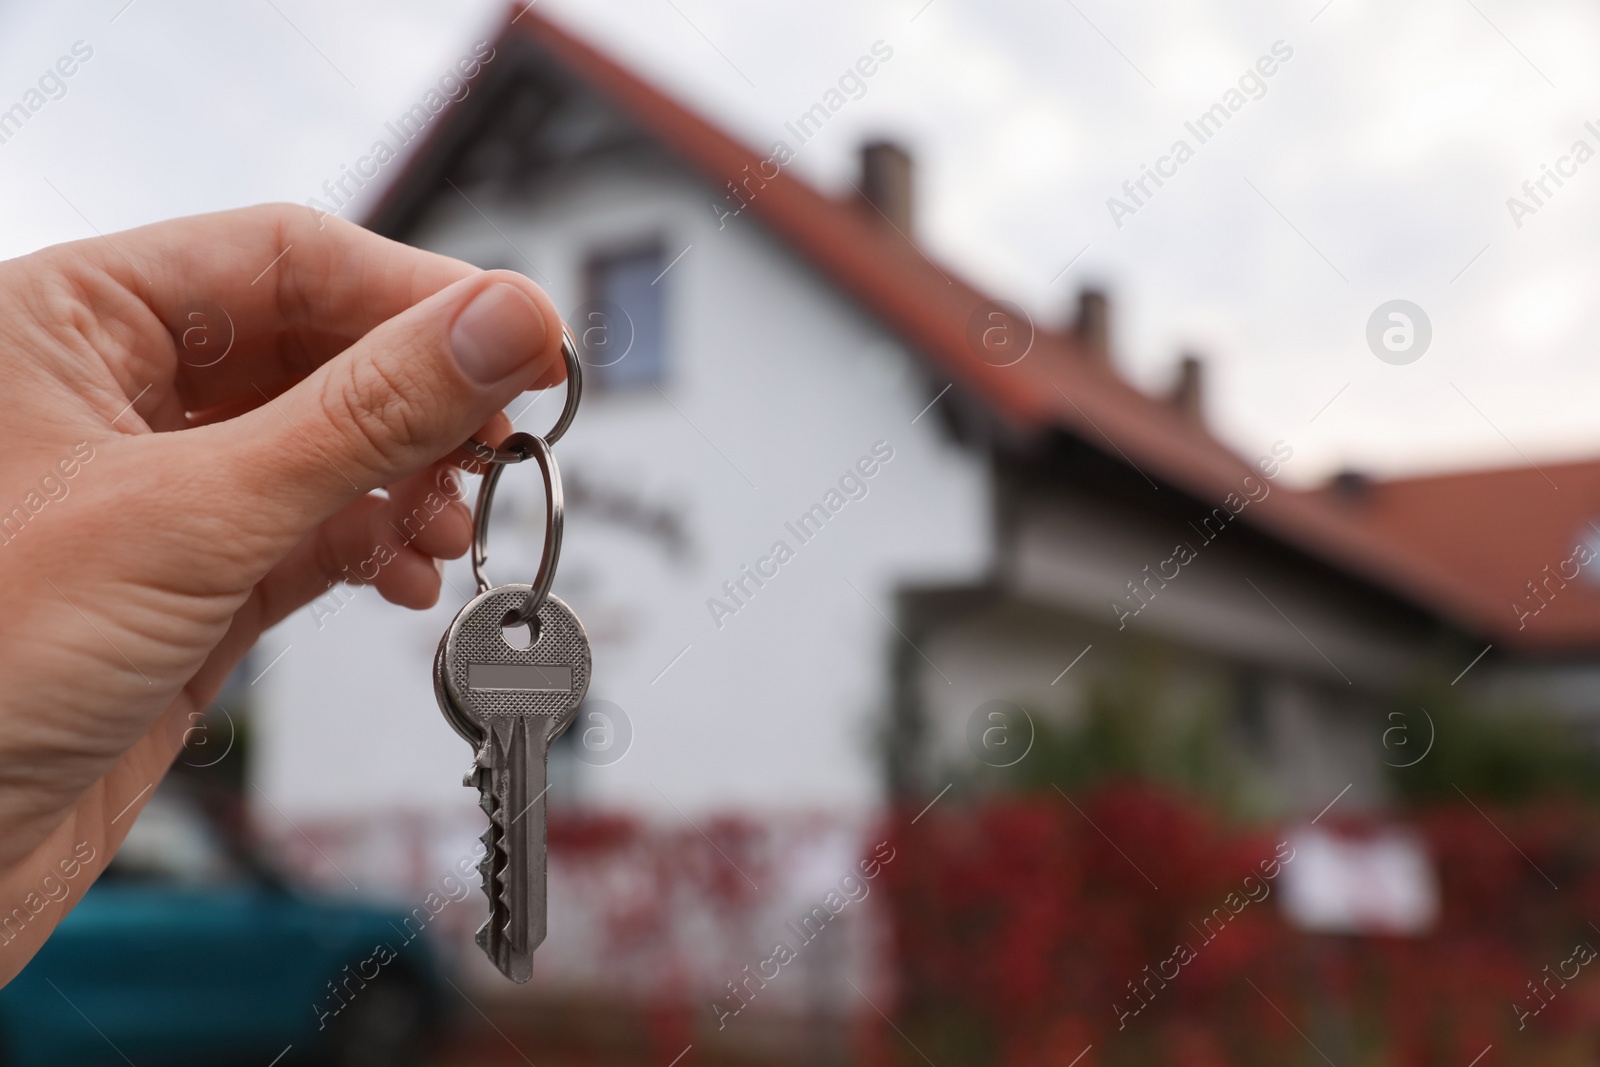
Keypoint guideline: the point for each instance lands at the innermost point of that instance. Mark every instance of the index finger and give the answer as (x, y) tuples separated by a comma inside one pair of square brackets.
[(292, 290)]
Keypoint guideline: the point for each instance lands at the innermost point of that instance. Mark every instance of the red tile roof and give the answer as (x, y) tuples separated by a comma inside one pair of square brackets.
[(1497, 532), (1058, 385)]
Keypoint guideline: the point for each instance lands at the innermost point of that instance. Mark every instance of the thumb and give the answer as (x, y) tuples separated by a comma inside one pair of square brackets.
[(409, 392)]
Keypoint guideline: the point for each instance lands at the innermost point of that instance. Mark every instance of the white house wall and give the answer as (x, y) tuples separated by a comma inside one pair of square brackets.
[(1080, 554)]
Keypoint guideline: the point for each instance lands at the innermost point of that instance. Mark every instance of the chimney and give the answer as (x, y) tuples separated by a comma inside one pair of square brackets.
[(886, 183), (1092, 327), (1187, 394), (1350, 486)]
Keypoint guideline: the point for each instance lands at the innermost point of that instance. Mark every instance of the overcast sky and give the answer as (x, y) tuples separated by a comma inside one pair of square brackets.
[(1374, 164)]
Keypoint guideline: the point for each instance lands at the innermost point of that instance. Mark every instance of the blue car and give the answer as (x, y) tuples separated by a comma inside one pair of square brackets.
[(188, 953)]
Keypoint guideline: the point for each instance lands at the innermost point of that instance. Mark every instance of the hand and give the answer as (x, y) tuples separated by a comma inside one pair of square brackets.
[(176, 479)]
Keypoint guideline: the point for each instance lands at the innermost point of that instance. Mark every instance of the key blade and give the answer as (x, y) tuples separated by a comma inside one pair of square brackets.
[(515, 874)]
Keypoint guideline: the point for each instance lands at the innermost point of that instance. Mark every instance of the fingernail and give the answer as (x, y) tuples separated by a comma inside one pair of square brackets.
[(498, 332)]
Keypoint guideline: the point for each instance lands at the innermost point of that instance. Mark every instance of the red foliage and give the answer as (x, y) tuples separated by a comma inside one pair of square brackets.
[(1019, 926), (649, 884)]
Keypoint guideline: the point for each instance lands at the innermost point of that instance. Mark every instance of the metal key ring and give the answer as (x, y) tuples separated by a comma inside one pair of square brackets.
[(502, 455), (526, 445)]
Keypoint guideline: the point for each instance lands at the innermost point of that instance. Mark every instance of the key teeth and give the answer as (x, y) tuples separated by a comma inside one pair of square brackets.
[(498, 855), (493, 936), (494, 851), (500, 828)]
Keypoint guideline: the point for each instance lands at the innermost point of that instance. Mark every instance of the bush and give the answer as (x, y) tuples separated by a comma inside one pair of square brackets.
[(1021, 927)]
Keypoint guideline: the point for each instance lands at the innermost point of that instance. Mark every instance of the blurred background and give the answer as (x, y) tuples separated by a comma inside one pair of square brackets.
[(1087, 517)]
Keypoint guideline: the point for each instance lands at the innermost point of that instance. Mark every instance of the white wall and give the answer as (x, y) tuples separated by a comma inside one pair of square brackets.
[(791, 384), (1080, 554)]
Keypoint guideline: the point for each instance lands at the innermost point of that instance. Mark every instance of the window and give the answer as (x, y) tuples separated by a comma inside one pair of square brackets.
[(620, 328)]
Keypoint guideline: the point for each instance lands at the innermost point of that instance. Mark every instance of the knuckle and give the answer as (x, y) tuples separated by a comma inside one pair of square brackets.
[(371, 407)]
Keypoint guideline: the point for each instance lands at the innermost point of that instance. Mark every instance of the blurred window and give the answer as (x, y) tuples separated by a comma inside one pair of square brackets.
[(171, 842), (620, 329), (1589, 537)]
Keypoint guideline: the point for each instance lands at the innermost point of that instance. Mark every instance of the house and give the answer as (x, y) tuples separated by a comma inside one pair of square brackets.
[(827, 498), (830, 511)]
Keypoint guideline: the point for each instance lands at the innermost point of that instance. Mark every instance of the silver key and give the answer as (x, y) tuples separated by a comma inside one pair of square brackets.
[(510, 703)]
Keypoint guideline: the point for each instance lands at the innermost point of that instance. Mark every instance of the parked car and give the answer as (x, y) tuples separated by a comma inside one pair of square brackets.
[(190, 951)]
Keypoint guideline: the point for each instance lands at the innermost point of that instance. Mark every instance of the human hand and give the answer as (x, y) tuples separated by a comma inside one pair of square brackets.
[(166, 494)]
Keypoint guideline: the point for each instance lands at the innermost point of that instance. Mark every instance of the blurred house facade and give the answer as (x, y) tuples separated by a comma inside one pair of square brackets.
[(826, 500), (827, 505)]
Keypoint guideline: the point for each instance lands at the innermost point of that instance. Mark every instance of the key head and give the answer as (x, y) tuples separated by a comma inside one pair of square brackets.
[(481, 676)]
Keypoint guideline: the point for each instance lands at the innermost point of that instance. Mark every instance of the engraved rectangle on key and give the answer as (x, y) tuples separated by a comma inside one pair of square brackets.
[(526, 677)]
